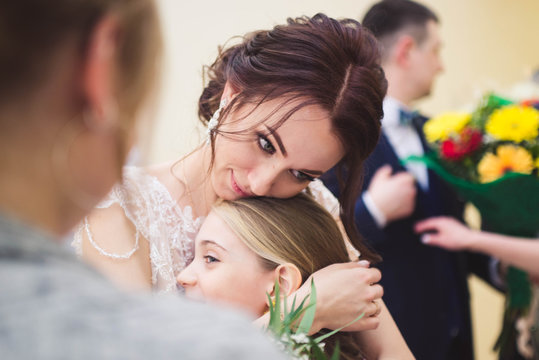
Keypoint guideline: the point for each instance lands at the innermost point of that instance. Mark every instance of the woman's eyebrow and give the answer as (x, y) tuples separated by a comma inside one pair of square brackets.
[(211, 243), (278, 139)]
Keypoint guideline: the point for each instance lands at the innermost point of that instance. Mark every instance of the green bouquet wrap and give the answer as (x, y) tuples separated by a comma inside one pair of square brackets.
[(509, 205), (491, 158)]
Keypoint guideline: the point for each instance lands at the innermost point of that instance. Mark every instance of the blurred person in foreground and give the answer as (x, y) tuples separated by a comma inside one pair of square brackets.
[(74, 76)]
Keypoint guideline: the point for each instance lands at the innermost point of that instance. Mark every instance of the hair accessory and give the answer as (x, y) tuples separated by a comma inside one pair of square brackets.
[(212, 124)]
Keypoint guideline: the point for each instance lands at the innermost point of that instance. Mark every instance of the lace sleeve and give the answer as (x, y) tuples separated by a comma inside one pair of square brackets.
[(168, 229), (325, 198)]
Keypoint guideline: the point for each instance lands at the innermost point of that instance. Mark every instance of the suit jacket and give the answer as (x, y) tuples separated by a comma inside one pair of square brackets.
[(425, 288)]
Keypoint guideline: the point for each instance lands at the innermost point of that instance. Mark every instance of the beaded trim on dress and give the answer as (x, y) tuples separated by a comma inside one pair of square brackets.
[(169, 229)]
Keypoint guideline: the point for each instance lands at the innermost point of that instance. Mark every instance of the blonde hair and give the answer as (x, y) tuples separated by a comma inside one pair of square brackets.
[(32, 32), (296, 230)]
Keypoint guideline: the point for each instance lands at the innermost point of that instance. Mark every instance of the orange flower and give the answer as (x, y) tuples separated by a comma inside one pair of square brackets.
[(508, 158)]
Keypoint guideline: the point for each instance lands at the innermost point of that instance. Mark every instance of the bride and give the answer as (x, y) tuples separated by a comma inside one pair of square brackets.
[(282, 107)]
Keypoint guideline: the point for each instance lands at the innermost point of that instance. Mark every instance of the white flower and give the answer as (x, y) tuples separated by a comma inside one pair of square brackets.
[(300, 338)]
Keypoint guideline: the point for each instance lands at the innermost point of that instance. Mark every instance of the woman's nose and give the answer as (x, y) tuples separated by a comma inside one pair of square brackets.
[(262, 179)]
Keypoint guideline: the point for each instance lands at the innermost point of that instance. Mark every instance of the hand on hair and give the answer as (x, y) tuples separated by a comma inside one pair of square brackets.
[(393, 194), (344, 291)]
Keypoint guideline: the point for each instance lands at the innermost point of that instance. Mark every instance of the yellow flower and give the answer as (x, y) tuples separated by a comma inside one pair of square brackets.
[(515, 123), (507, 158), (441, 127)]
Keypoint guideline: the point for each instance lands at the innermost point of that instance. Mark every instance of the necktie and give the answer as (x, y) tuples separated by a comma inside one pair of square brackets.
[(407, 117)]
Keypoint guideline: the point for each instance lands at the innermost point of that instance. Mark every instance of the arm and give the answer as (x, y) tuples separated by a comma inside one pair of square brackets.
[(386, 341), (452, 235), (114, 233)]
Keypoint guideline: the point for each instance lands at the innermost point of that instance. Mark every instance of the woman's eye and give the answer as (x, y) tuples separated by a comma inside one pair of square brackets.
[(300, 176), (265, 144), (208, 259)]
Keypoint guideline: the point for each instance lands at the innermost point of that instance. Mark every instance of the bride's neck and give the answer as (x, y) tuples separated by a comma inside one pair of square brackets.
[(196, 172)]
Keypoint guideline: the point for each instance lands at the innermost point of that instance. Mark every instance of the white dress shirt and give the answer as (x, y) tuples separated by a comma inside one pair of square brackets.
[(405, 141)]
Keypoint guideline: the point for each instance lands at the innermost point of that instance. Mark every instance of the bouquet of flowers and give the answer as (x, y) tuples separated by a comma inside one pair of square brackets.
[(491, 158), (497, 138)]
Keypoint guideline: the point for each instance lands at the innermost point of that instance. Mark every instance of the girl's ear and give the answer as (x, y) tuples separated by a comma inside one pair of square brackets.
[(289, 278)]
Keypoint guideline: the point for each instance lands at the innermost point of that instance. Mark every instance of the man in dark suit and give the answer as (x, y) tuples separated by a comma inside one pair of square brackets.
[(425, 288)]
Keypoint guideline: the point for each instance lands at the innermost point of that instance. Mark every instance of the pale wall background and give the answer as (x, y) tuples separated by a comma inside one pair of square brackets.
[(489, 45)]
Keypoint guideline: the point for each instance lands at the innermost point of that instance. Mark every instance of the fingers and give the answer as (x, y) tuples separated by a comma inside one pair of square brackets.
[(428, 224), (371, 275), (370, 319), (404, 177), (365, 323), (364, 263), (377, 308), (383, 172), (375, 292)]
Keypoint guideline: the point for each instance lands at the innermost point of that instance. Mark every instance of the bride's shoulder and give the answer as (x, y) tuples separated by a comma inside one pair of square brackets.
[(163, 173), (324, 197)]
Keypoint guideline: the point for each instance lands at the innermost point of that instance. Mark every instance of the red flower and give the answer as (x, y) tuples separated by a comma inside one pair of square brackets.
[(456, 148), (530, 102)]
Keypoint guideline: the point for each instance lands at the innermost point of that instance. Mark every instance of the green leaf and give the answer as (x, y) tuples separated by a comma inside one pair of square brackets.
[(325, 336), (275, 322), (308, 315), (317, 352), (336, 352)]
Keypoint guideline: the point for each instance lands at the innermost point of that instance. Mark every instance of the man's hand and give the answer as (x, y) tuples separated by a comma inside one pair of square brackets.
[(393, 194)]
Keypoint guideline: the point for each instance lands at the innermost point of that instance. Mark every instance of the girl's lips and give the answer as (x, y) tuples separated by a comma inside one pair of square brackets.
[(236, 187)]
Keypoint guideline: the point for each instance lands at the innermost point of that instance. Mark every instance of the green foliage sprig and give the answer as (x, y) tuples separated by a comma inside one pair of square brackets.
[(290, 327)]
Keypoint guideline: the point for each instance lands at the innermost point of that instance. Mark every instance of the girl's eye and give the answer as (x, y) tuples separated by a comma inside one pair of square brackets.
[(300, 176), (265, 144), (208, 259)]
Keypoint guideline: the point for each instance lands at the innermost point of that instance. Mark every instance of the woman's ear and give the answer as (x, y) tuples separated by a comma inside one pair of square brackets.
[(98, 72), (229, 92), (289, 278)]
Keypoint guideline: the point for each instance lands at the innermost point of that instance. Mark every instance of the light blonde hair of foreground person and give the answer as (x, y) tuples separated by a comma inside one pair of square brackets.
[(101, 57)]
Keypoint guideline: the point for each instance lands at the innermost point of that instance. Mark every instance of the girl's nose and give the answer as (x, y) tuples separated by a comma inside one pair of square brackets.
[(186, 278)]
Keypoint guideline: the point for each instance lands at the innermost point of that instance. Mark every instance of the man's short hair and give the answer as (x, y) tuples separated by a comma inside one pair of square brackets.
[(389, 17)]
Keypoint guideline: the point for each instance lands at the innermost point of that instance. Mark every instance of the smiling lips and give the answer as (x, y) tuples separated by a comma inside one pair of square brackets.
[(236, 187)]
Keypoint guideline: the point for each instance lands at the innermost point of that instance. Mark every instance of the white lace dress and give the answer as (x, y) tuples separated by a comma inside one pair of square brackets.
[(169, 229)]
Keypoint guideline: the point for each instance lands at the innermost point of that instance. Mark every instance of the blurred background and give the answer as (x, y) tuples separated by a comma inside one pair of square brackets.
[(489, 45)]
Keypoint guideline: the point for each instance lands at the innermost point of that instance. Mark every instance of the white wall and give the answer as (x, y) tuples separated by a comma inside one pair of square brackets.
[(488, 44)]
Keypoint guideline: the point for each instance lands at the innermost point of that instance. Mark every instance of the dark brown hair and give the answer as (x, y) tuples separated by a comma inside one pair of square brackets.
[(332, 63), (388, 17), (297, 230)]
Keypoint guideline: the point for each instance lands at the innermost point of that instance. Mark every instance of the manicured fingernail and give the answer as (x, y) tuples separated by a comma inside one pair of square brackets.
[(364, 263), (425, 238)]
